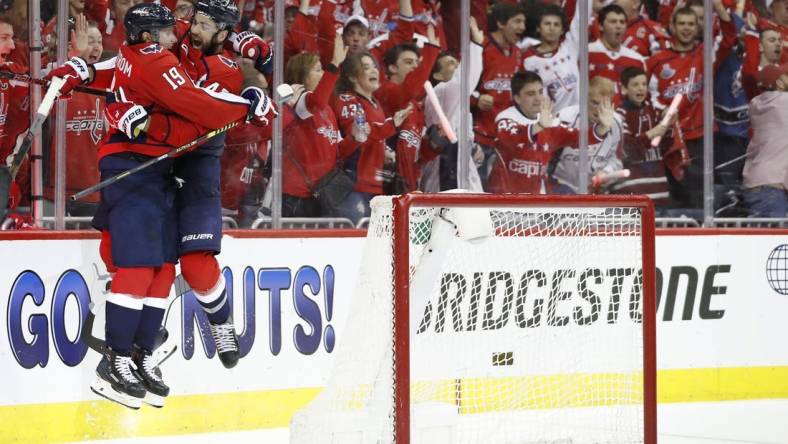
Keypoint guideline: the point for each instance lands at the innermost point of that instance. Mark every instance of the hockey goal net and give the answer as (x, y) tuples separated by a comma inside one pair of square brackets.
[(496, 319)]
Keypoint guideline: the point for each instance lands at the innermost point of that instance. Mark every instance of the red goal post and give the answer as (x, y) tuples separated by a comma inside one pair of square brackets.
[(402, 207)]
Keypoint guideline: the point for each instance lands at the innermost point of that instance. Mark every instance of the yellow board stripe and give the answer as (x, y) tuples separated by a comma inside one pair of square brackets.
[(222, 412)]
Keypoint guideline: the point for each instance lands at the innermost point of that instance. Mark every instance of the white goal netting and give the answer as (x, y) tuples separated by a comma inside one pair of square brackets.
[(525, 327)]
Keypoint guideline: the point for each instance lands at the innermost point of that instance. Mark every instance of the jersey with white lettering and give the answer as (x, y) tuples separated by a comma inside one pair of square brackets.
[(368, 158), (523, 157), (673, 72), (157, 82), (498, 67)]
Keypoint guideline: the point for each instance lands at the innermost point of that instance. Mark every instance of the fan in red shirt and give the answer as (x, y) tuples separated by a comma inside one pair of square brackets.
[(114, 30), (644, 35), (679, 70), (14, 112), (528, 137), (500, 60), (608, 57), (405, 87), (648, 165), (84, 131), (355, 106), (313, 143)]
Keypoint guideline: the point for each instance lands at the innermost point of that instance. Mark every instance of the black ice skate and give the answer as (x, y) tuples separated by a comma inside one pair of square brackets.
[(149, 373), (117, 382), (226, 343)]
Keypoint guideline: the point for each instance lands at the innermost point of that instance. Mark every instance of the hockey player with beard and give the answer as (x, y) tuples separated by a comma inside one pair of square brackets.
[(200, 49), (137, 213), (198, 200)]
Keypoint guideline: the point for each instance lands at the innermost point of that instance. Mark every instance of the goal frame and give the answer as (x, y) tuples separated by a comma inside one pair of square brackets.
[(401, 267)]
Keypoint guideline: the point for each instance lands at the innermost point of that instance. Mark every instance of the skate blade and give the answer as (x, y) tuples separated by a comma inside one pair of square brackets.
[(105, 390), (154, 400)]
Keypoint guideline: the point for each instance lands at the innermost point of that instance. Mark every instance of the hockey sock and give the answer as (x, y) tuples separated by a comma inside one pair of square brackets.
[(153, 310), (215, 302), (123, 313), (154, 307)]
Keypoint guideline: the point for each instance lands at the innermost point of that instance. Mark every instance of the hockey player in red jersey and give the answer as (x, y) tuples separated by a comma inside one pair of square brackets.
[(528, 137), (138, 211), (198, 200)]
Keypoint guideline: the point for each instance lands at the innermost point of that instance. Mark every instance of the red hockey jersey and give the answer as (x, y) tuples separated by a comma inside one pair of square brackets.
[(84, 132), (369, 167), (523, 157), (647, 165), (156, 80), (313, 142), (499, 66)]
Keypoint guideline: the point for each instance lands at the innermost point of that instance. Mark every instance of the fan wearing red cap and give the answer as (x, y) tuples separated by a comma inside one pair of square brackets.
[(774, 77)]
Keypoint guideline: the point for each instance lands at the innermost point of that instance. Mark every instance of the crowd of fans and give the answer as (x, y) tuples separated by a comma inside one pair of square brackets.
[(359, 126)]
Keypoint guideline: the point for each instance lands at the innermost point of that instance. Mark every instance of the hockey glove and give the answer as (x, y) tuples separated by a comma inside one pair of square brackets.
[(127, 117), (75, 72), (250, 46), (261, 109)]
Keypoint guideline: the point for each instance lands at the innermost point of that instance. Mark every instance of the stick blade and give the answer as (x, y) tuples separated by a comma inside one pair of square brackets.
[(5, 189)]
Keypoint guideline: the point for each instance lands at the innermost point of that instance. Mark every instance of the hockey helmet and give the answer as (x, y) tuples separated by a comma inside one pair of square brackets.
[(147, 17), (223, 12)]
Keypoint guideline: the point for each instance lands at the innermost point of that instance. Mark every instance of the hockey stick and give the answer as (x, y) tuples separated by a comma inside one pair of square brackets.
[(171, 153), (8, 174), (175, 151), (28, 79)]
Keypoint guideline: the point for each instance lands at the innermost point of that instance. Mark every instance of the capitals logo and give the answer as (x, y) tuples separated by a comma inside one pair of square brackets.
[(89, 121), (498, 85)]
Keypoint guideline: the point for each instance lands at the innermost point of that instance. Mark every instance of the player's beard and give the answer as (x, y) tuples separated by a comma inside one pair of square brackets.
[(213, 47)]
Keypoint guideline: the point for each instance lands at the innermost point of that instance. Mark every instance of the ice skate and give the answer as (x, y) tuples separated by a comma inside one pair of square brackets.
[(226, 343), (149, 374), (117, 381)]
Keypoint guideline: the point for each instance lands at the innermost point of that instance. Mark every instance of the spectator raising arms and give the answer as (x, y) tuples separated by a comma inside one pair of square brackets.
[(84, 129), (766, 167), (313, 143), (602, 150), (555, 58)]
